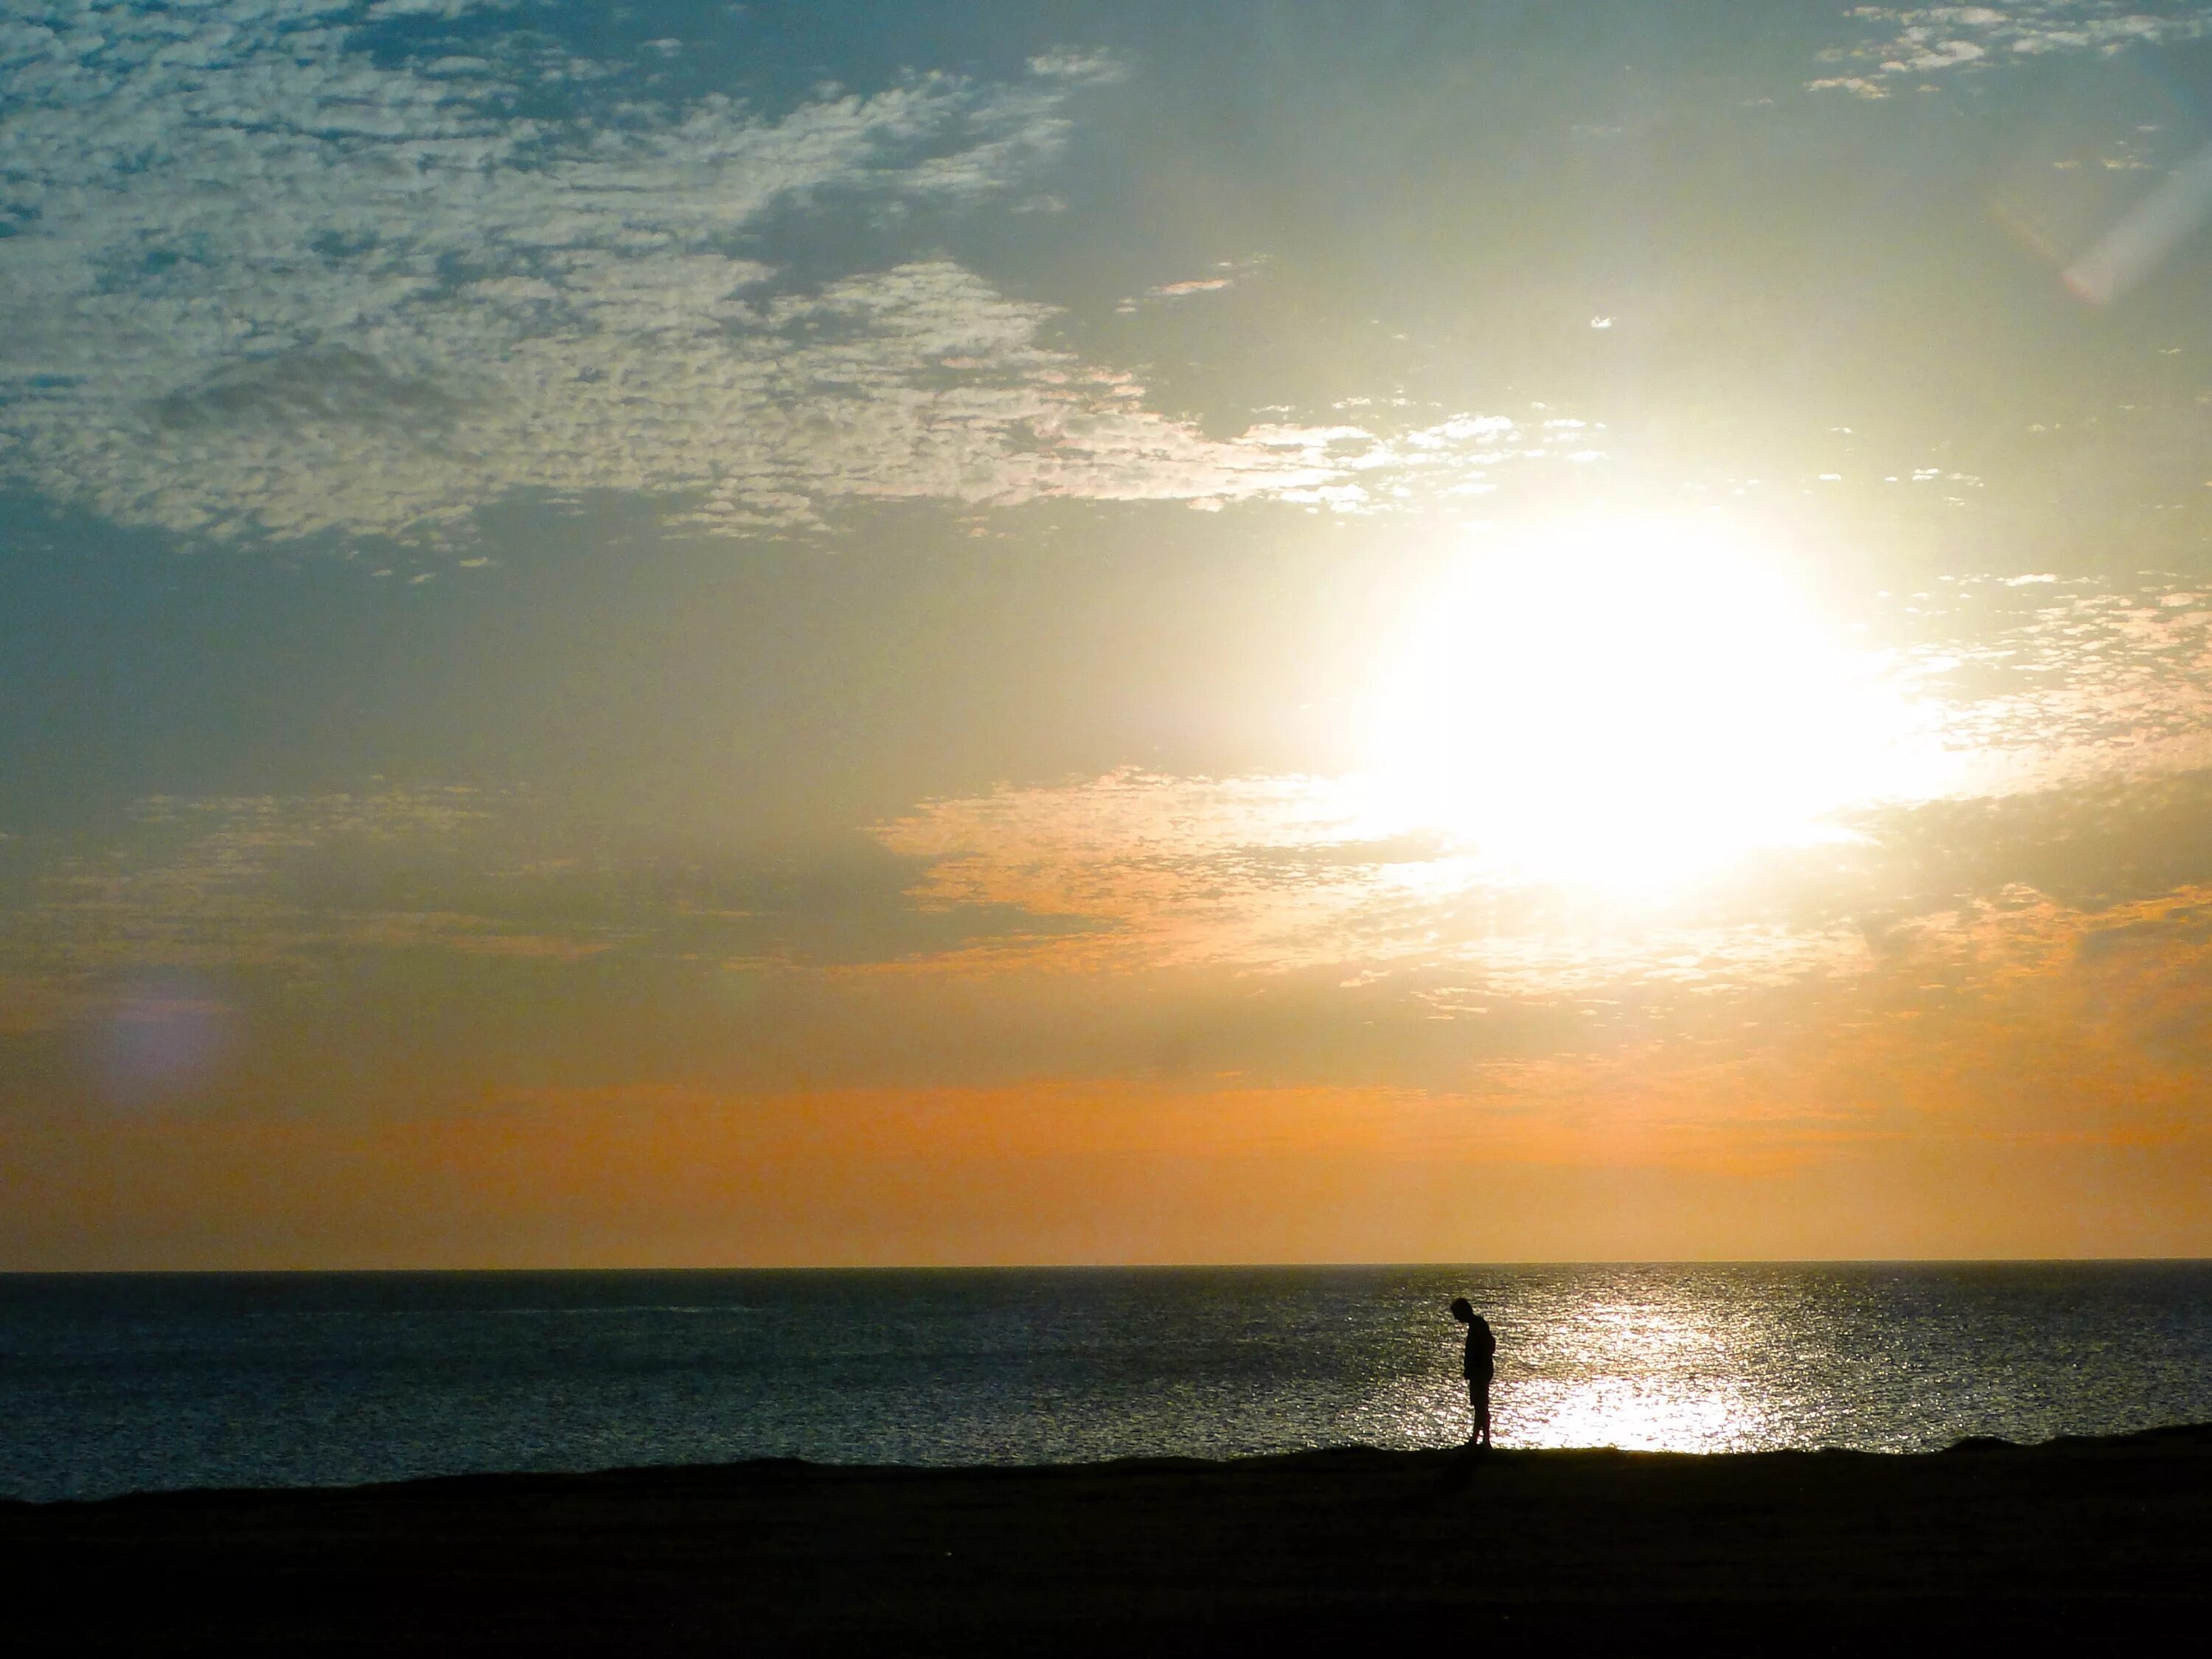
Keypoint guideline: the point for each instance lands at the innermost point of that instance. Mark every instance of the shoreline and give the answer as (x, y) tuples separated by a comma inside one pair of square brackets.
[(2072, 1541), (2130, 1439), (2126, 1439)]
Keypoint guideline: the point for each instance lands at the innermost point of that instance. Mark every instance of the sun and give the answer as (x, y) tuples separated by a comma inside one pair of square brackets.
[(1624, 704)]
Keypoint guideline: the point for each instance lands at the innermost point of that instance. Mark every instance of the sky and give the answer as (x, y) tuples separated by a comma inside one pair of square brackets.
[(841, 633)]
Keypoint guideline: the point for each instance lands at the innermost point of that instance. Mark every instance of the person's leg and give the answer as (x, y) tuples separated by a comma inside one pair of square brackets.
[(1481, 1393), (1480, 1410)]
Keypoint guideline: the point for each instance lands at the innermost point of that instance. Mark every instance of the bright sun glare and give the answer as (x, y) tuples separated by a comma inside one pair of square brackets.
[(1624, 704)]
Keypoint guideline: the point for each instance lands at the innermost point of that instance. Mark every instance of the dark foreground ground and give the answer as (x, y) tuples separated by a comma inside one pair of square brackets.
[(2086, 1546)]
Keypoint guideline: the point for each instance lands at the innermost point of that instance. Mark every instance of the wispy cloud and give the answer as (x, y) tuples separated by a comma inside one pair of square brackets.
[(231, 882), (294, 888), (1225, 276), (2062, 703), (1284, 874), (2051, 712)]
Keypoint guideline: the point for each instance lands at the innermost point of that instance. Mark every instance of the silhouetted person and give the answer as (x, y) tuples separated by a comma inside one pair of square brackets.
[(1481, 1347)]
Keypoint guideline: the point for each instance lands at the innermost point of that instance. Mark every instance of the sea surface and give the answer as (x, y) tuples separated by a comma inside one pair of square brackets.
[(114, 1383)]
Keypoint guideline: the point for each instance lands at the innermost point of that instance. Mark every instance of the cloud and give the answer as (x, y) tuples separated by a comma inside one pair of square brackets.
[(2039, 684), (32, 1002), (1906, 43), (2073, 715), (2055, 729), (1146, 900), (1286, 874), (193, 885), (265, 284), (2092, 847), (2078, 707), (1222, 276), (292, 887)]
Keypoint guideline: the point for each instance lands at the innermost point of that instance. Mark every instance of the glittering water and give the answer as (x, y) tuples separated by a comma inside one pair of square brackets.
[(112, 1384)]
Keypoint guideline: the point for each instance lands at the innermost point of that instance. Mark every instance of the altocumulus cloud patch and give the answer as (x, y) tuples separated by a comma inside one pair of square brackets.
[(264, 283), (1906, 44)]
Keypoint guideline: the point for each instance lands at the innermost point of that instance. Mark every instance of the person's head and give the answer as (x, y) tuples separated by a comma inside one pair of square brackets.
[(1462, 1311)]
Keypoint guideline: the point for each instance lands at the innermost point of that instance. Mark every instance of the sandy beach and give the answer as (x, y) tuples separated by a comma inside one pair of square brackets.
[(2075, 1544)]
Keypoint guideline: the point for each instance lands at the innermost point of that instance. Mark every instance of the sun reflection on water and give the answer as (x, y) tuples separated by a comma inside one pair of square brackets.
[(1640, 1416), (1651, 1374), (1654, 1362)]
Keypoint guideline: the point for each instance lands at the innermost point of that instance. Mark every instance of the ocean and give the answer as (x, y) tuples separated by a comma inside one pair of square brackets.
[(115, 1383)]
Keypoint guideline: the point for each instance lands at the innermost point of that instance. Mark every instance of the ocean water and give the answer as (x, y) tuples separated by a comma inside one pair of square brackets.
[(119, 1383)]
